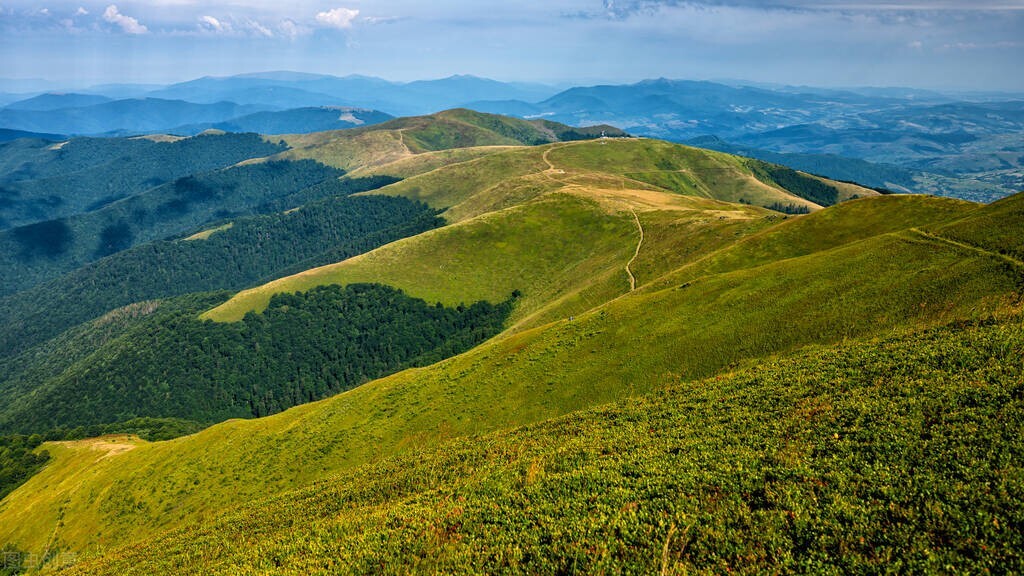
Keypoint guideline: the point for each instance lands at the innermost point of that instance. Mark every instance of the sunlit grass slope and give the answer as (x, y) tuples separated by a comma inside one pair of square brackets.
[(985, 228), (496, 180), (900, 454), (847, 222), (501, 192), (401, 138), (635, 344), (565, 251)]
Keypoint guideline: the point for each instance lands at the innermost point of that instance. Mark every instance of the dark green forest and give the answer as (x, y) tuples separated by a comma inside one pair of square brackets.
[(40, 181), (789, 208), (253, 250), (796, 183), (44, 250), (19, 461), (165, 362)]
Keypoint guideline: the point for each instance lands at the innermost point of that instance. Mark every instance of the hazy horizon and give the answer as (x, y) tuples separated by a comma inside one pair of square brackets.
[(45, 85), (930, 44)]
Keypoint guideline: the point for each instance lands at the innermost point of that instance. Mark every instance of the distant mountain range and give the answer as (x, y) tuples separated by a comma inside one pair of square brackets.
[(136, 116), (291, 90), (971, 145), (463, 342)]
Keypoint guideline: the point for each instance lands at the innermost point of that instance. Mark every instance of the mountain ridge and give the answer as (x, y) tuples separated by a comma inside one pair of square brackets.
[(564, 277)]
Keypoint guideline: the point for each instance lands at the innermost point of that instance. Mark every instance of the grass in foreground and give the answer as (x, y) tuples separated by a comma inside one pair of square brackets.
[(633, 345), (903, 454)]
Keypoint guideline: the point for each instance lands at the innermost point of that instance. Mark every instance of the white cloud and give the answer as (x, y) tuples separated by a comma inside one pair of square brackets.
[(45, 11), (966, 46), (290, 29), (81, 12), (916, 44), (212, 24), (127, 23), (259, 29), (337, 18)]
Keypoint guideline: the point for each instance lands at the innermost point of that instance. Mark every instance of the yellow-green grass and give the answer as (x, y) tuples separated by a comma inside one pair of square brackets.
[(986, 228), (448, 187), (370, 147), (428, 161), (205, 234), (634, 344), (902, 452), (505, 178), (841, 224), (565, 252), (347, 150), (683, 169), (465, 265), (545, 249), (462, 128)]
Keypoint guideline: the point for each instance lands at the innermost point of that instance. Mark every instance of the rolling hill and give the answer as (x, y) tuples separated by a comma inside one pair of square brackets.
[(701, 326), (401, 138), (500, 195), (512, 381), (160, 186), (230, 256), (42, 251), (722, 384), (691, 478)]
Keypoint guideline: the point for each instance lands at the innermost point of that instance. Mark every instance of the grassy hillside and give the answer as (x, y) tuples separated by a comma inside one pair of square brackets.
[(404, 137), (863, 458), (514, 229), (635, 344), (565, 252), (986, 230), (497, 180), (849, 222)]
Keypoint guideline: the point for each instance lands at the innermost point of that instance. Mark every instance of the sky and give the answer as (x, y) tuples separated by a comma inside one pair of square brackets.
[(944, 44)]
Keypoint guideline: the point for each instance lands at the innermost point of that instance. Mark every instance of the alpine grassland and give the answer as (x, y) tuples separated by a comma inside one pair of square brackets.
[(635, 344), (529, 215), (895, 454), (402, 138), (536, 350)]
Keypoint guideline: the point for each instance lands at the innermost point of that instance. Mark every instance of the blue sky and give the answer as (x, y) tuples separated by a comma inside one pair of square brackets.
[(947, 44)]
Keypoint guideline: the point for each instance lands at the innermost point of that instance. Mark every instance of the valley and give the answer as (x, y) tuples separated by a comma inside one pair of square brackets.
[(637, 287), (407, 343)]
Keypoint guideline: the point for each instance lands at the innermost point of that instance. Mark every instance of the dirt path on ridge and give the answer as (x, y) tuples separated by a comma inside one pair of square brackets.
[(632, 279)]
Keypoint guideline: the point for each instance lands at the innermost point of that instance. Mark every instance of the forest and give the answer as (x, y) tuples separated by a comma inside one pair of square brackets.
[(803, 186), (165, 362), (253, 249), (41, 181), (44, 250)]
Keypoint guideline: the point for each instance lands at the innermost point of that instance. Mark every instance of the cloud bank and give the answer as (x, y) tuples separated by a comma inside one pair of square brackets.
[(128, 24), (340, 18)]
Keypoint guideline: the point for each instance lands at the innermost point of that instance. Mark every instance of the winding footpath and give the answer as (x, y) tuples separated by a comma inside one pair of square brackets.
[(950, 242), (632, 279), (629, 272)]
